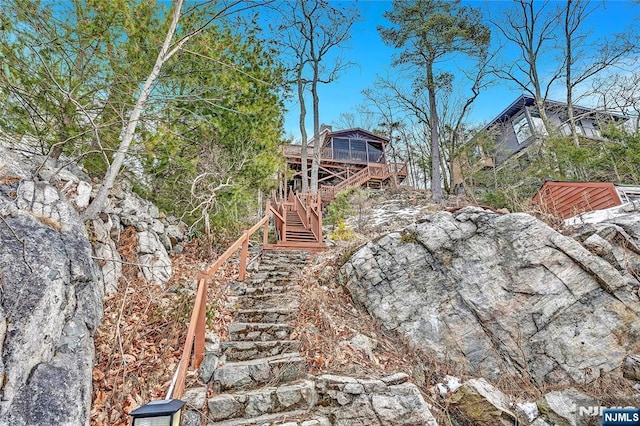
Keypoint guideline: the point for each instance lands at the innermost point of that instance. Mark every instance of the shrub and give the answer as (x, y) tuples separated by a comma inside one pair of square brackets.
[(343, 232)]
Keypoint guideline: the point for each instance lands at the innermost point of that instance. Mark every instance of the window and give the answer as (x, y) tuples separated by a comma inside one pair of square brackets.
[(376, 155), (341, 144), (358, 146), (521, 128), (340, 148), (538, 125)]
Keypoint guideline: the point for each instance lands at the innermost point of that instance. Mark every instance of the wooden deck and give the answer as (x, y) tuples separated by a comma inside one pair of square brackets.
[(567, 199), (339, 170)]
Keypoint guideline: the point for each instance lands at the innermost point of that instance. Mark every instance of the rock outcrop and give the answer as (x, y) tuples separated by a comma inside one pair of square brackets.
[(52, 284), (479, 403), (51, 303), (157, 235), (503, 294)]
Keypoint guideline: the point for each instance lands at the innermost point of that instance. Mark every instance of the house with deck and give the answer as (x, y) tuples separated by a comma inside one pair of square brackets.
[(352, 157)]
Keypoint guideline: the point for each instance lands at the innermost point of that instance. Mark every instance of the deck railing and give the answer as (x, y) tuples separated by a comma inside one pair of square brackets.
[(329, 153), (315, 216), (302, 211), (372, 171), (296, 151), (280, 219), (354, 180), (311, 205)]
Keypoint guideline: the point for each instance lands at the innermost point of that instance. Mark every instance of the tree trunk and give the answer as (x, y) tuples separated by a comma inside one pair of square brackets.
[(394, 180), (128, 132), (436, 180), (317, 143), (446, 181), (569, 85), (303, 134)]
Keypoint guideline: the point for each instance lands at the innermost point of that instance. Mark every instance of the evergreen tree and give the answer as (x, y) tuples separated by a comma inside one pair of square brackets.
[(429, 31)]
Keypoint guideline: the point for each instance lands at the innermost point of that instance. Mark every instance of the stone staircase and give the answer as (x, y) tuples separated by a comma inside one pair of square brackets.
[(258, 377)]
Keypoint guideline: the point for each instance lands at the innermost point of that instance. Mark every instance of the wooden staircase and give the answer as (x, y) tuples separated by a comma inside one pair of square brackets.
[(296, 232), (298, 223), (372, 172)]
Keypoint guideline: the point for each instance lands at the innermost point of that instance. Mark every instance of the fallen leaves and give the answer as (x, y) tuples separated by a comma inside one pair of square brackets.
[(140, 340), (329, 319)]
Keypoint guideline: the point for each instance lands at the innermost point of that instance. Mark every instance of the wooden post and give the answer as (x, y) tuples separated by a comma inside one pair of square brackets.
[(283, 236), (243, 256), (201, 322), (319, 218), (265, 234)]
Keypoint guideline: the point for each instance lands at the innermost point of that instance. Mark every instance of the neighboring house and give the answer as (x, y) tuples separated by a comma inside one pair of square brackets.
[(351, 157), (570, 199), (520, 125)]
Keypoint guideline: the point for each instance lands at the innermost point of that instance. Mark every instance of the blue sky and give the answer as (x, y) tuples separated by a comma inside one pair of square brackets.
[(372, 57)]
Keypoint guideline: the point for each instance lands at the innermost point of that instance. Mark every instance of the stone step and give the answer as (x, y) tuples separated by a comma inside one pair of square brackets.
[(284, 258), (281, 265), (280, 368), (243, 351), (258, 331), (273, 315), (299, 395), (269, 301), (283, 272), (292, 418), (307, 421), (275, 281), (270, 282), (268, 288)]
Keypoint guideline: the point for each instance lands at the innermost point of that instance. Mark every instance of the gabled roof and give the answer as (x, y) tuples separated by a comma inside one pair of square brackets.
[(524, 101), (347, 133), (512, 109), (369, 134)]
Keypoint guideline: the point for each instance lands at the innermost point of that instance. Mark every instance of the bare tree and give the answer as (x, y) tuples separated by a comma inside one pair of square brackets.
[(401, 112), (362, 118), (311, 31), (295, 47), (580, 63), (323, 26), (620, 93), (532, 30), (216, 175)]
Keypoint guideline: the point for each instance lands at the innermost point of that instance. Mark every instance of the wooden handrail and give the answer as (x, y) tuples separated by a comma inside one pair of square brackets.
[(353, 180), (194, 343), (280, 220), (315, 216), (302, 210)]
